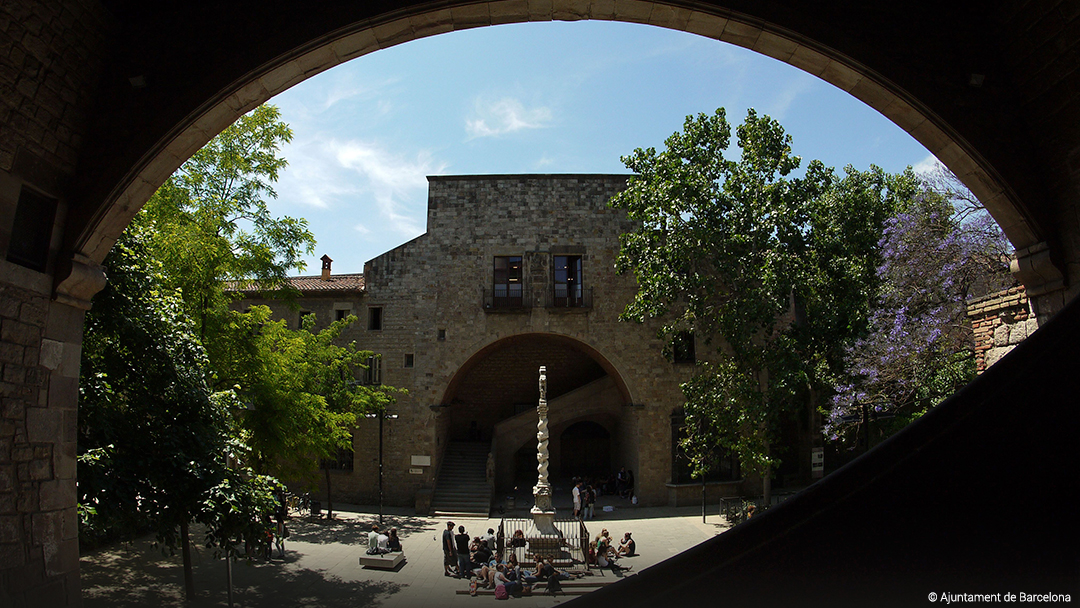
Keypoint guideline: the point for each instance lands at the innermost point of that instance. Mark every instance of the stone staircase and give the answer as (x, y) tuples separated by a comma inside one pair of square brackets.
[(462, 489)]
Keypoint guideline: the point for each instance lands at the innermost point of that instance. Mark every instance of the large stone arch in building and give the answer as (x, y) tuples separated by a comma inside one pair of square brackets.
[(101, 101), (497, 389)]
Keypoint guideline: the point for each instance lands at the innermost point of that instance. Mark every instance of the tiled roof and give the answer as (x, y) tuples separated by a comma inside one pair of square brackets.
[(312, 284)]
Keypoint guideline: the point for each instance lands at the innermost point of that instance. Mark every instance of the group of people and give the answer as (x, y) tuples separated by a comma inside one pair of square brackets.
[(379, 544), (604, 554), (587, 490), (478, 559), (462, 553)]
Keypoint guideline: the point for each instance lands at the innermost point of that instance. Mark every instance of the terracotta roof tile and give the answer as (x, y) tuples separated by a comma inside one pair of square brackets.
[(313, 284)]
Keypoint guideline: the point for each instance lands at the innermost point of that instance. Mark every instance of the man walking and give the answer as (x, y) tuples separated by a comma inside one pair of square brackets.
[(449, 555)]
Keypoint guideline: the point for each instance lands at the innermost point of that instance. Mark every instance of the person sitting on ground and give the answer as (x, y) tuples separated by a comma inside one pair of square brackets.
[(518, 539), (482, 555), (606, 560), (627, 546), (393, 542), (750, 511), (373, 543), (489, 538)]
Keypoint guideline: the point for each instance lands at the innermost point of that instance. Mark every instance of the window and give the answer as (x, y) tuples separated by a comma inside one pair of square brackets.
[(340, 314), (568, 289), (682, 348), (373, 373), (723, 465), (31, 230), (303, 315), (441, 335), (408, 360), (342, 461), (374, 318), (507, 286)]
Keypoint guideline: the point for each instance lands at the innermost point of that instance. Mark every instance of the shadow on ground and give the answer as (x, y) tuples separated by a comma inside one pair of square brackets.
[(137, 574), (352, 528)]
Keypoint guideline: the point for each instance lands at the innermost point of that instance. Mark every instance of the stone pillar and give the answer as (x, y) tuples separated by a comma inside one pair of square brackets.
[(543, 512), (40, 348)]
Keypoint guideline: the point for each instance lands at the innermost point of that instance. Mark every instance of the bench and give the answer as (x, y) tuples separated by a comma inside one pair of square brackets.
[(387, 561)]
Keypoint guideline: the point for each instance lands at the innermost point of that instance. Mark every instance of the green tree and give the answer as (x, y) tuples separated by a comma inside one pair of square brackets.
[(153, 439), (300, 389), (211, 223), (771, 270)]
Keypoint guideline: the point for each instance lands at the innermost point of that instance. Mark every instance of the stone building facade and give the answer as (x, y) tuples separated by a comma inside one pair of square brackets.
[(1000, 320), (514, 272)]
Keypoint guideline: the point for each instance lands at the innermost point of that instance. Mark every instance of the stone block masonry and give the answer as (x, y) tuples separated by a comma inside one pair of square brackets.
[(1000, 321)]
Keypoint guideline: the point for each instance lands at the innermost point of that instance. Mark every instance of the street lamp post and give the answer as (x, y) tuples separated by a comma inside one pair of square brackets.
[(381, 416)]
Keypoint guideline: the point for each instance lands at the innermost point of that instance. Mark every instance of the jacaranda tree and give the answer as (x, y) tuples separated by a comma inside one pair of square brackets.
[(939, 250)]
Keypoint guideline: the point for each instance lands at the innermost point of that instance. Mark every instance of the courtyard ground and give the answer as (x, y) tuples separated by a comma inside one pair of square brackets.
[(321, 565)]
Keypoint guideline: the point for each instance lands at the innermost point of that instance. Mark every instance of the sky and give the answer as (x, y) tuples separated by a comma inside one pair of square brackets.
[(550, 97)]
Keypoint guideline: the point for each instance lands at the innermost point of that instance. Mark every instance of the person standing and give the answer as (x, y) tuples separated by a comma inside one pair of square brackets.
[(449, 553), (590, 501), (576, 492), (489, 539), (461, 541)]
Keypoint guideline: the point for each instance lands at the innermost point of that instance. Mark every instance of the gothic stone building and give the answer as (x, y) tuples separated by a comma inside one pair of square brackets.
[(514, 272)]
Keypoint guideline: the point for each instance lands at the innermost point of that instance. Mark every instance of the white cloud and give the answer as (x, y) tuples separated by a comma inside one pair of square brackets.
[(927, 166), (391, 179), (783, 101), (506, 115)]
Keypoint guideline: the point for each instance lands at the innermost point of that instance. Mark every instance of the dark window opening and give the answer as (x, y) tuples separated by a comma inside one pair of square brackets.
[(374, 319), (340, 314), (507, 285), (569, 291), (303, 315), (441, 335), (682, 348), (342, 461), (31, 230), (373, 373), (723, 465), (408, 360)]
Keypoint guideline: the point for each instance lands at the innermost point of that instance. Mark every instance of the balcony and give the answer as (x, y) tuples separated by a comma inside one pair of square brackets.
[(506, 298)]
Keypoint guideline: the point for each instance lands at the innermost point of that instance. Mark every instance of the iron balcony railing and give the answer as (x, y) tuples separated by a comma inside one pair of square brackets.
[(501, 298)]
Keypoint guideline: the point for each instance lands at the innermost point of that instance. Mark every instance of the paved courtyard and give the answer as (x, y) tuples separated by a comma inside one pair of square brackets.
[(321, 568)]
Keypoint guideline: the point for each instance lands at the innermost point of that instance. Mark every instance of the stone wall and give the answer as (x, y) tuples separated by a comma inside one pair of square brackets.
[(1000, 321)]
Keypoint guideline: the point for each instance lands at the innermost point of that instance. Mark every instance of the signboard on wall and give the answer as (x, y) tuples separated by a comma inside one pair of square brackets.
[(421, 461), (817, 462)]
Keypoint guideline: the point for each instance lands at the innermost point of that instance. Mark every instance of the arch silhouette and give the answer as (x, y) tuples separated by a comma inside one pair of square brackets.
[(355, 39)]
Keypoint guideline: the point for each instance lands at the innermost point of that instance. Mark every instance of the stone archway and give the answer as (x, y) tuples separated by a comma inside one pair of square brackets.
[(497, 388), (992, 95)]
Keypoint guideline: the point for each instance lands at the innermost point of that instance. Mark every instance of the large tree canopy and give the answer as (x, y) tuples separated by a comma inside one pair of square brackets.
[(940, 249), (153, 439), (772, 269), (211, 223)]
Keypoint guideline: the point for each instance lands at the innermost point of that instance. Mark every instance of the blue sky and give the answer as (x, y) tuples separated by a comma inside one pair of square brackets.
[(552, 97)]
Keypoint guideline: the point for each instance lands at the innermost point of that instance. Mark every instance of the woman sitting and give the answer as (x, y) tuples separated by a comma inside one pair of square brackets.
[(627, 546), (393, 542)]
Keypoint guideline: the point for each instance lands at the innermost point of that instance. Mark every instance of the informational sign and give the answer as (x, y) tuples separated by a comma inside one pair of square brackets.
[(416, 471), (421, 461), (817, 462)]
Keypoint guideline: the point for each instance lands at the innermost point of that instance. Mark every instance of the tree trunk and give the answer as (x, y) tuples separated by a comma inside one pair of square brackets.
[(185, 549), (329, 494)]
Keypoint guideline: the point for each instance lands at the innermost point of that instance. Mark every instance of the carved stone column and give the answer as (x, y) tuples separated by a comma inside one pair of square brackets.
[(543, 512)]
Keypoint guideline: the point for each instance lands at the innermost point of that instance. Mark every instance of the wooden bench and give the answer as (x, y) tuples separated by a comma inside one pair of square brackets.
[(387, 561)]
